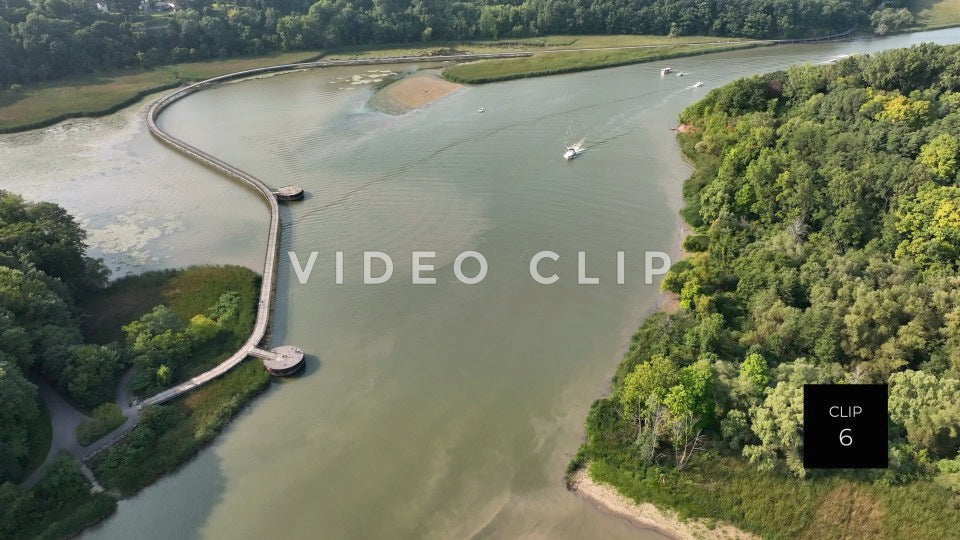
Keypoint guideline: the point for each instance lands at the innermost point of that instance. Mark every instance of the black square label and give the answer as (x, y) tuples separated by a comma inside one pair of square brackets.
[(844, 426)]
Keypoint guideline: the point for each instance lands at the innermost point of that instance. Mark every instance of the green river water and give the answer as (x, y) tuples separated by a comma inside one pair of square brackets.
[(442, 410)]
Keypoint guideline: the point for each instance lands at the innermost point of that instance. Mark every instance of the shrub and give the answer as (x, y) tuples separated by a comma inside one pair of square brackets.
[(106, 418)]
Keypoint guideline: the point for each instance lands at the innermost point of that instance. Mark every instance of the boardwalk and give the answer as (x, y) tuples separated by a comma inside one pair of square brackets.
[(273, 241)]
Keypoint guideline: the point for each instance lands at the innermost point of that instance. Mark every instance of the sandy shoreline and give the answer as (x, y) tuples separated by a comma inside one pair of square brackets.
[(413, 92), (648, 516)]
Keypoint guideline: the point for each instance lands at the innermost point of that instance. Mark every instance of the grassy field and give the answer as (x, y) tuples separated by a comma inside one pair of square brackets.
[(553, 63), (937, 13), (95, 95), (187, 292), (519, 44)]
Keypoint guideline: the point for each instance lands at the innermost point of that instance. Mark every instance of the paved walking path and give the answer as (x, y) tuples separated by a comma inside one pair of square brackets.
[(64, 419)]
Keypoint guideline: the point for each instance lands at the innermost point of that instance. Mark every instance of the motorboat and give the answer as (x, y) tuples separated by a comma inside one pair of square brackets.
[(698, 85), (480, 109), (666, 71), (572, 152)]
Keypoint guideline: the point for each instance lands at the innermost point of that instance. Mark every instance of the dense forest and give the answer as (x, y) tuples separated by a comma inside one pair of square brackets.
[(42, 270), (46, 39), (825, 206)]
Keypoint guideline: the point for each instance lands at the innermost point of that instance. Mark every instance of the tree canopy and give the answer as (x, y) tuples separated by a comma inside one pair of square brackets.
[(826, 210), (56, 38)]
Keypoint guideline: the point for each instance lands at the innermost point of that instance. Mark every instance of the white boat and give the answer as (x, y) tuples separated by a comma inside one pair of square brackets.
[(680, 74), (480, 109), (666, 71), (698, 85), (573, 151)]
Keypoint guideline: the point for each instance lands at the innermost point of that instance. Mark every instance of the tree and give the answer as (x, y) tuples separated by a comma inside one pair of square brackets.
[(125, 7), (735, 429), (889, 19), (90, 377), (929, 408), (62, 482), (164, 375), (45, 237), (778, 421), (929, 226), (940, 155), (159, 320), (753, 379), (652, 378), (690, 407), (226, 309), (202, 328), (18, 412)]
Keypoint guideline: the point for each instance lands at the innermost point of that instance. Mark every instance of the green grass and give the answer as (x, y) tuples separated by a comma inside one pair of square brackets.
[(156, 447), (47, 103), (198, 71), (44, 104), (776, 506), (517, 44), (187, 292), (553, 63), (937, 13)]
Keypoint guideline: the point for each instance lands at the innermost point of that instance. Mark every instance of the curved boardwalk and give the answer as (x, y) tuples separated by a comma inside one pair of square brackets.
[(267, 288), (273, 241)]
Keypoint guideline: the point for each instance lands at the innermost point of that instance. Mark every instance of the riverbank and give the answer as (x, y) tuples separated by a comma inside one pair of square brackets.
[(745, 474), (568, 61), (413, 92), (648, 516), (45, 104)]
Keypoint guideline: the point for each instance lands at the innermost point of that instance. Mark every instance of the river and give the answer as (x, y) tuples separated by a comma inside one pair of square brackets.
[(440, 410)]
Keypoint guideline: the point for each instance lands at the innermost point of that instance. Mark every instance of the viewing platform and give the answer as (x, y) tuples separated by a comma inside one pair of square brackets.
[(282, 361), (289, 193)]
